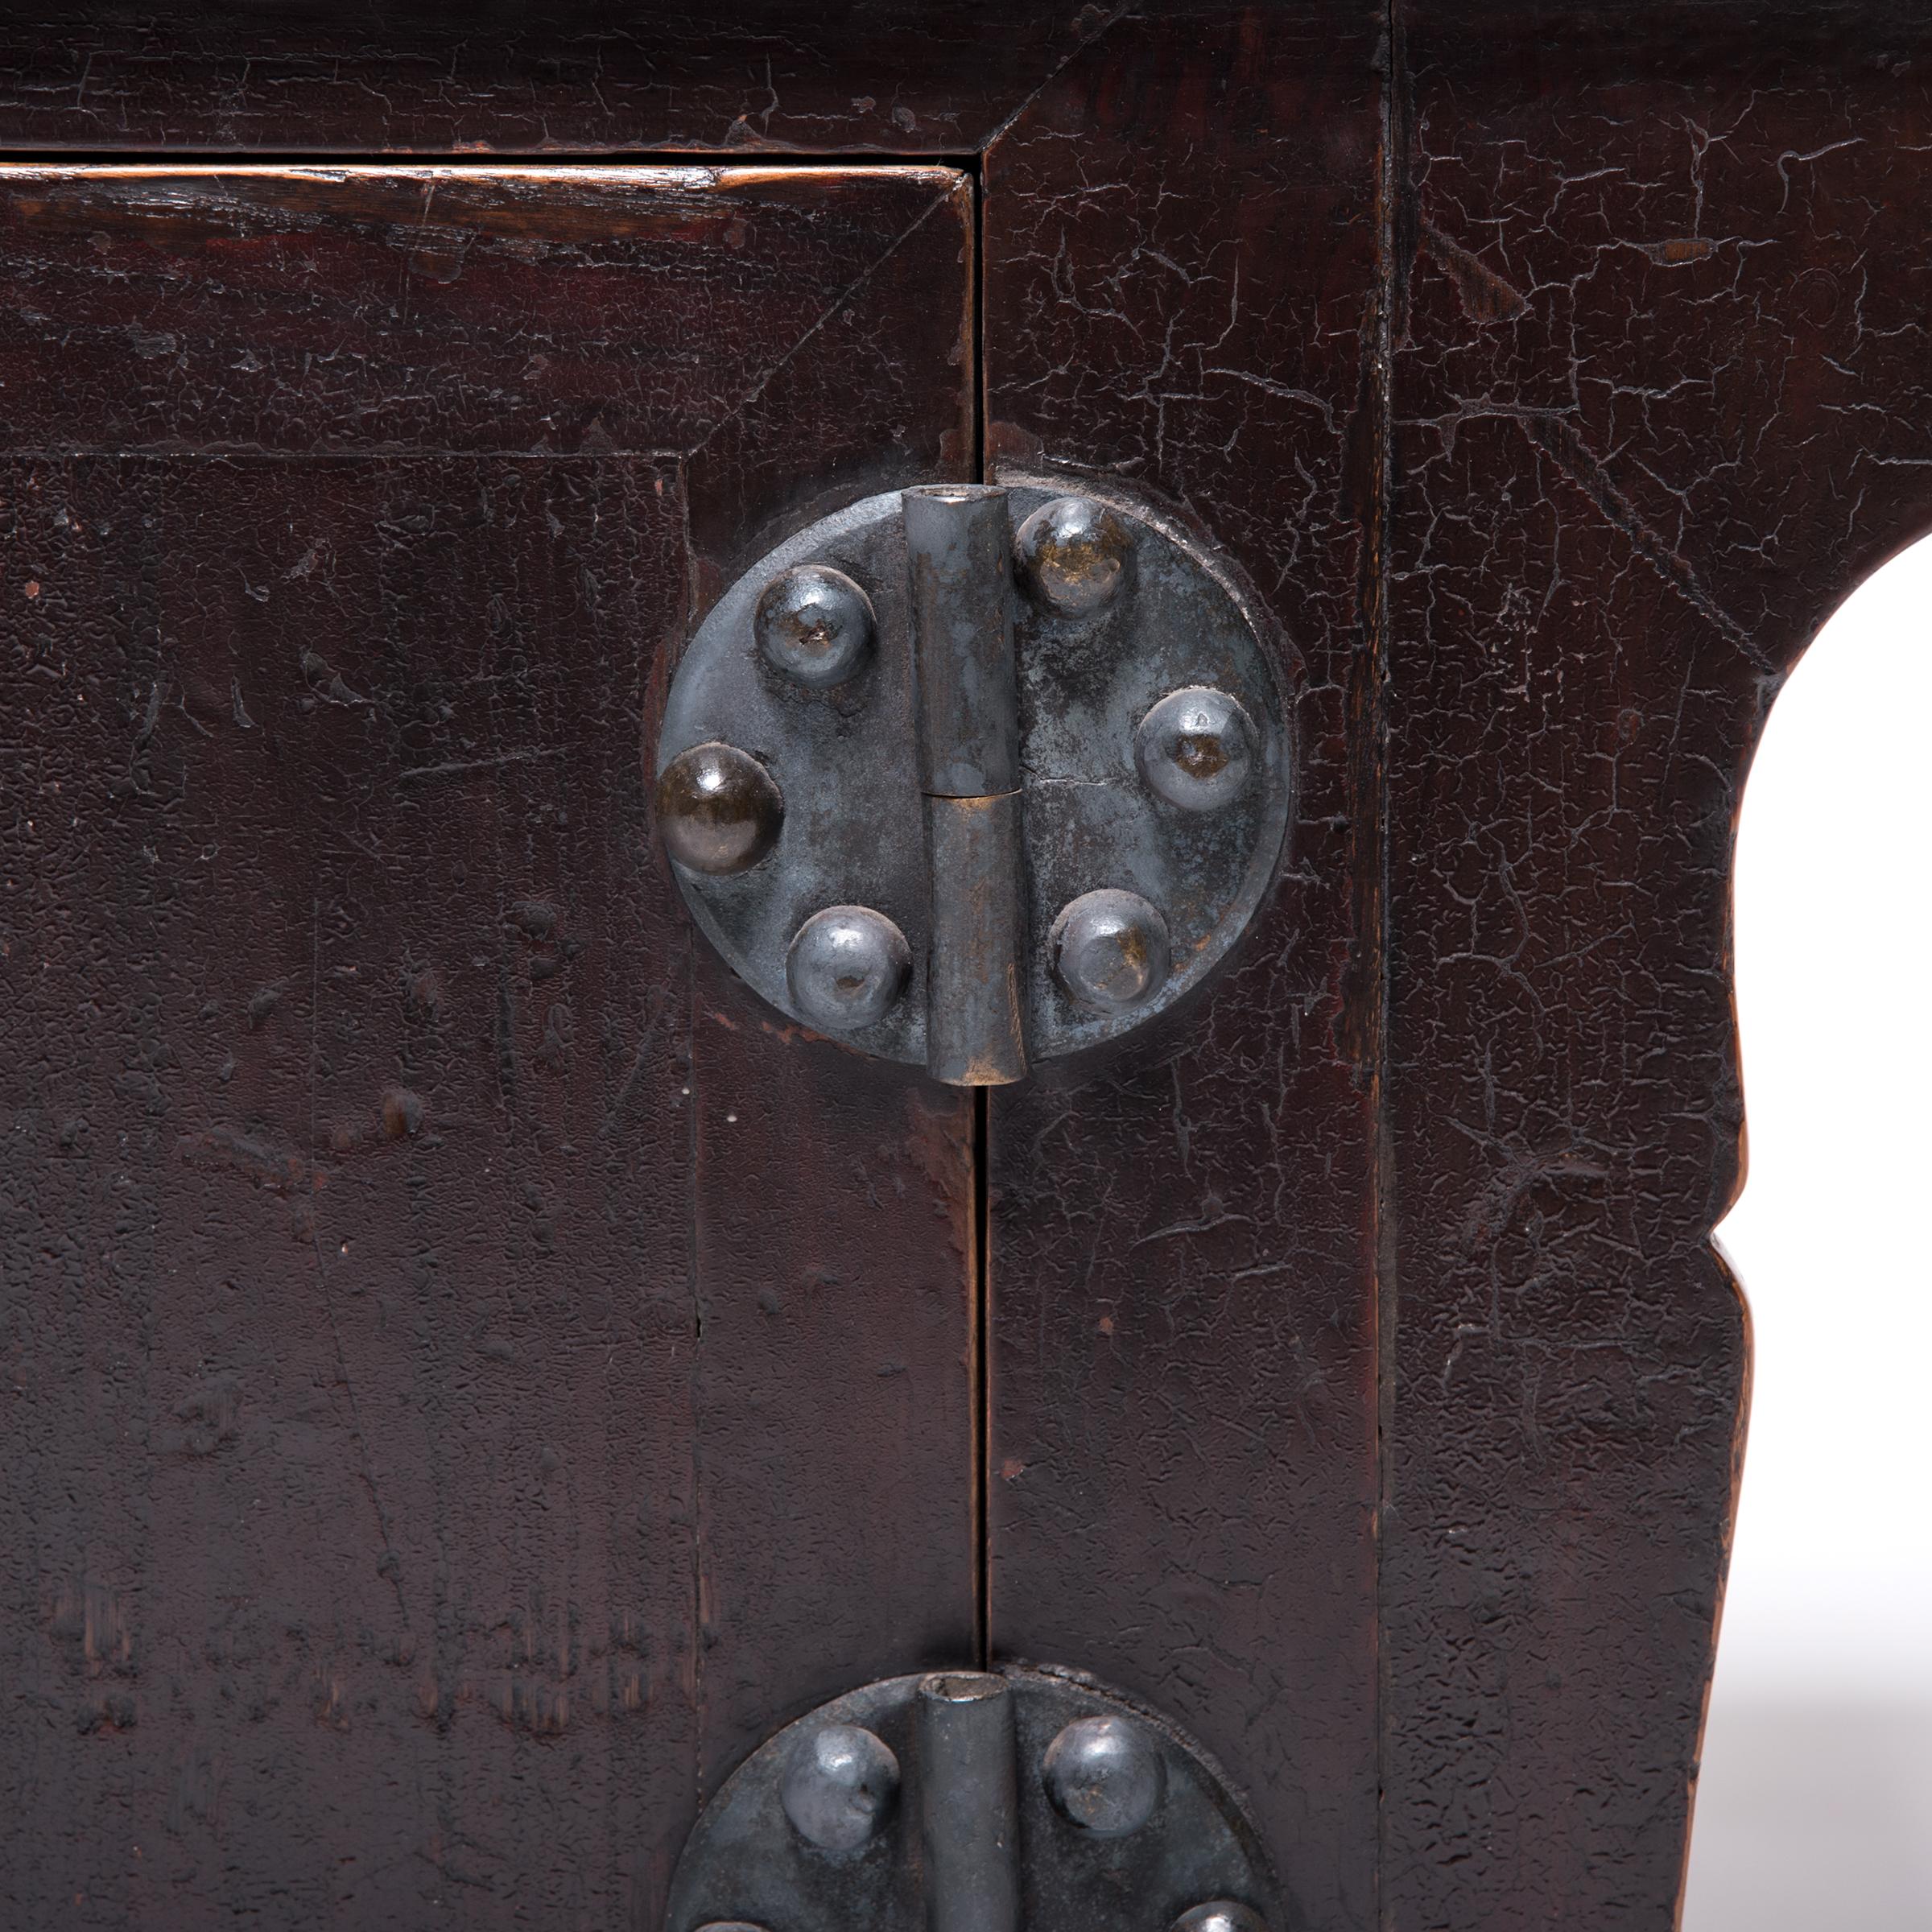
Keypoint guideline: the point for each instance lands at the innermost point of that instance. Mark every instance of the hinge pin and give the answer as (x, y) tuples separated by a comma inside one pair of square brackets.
[(958, 546), (969, 1818)]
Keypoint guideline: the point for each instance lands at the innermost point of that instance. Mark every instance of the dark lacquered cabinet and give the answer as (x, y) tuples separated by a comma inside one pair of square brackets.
[(475, 1370)]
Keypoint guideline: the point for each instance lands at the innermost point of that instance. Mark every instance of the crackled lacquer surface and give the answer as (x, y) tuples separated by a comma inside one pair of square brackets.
[(574, 76), (1659, 385), (1183, 1470), (1552, 386), (448, 1330), (440, 1443)]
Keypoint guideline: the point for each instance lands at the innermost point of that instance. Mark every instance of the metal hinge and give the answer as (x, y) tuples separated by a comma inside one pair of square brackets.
[(973, 776), (976, 1802)]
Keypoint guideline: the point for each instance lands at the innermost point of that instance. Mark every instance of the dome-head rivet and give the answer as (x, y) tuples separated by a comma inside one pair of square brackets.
[(815, 625), (846, 968), (1104, 1775), (839, 1787), (1221, 1915), (1111, 950), (1072, 554), (1195, 749), (719, 809)]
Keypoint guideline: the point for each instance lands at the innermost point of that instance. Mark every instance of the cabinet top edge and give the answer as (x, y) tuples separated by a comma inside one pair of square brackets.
[(726, 176)]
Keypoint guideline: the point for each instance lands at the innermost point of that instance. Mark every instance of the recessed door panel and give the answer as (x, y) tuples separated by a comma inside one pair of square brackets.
[(473, 1371)]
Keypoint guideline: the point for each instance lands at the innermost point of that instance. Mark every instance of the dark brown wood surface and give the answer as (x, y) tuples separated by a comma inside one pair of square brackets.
[(574, 76), (1366, 1391), (1659, 383), (469, 1374), (1183, 1471)]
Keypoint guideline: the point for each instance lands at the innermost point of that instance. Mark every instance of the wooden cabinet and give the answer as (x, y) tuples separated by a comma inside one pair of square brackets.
[(473, 1371)]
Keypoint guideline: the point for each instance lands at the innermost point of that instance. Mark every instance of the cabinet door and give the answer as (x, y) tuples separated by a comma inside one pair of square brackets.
[(470, 1374)]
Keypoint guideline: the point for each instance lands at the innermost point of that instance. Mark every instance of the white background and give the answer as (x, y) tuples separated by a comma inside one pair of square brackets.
[(1815, 1808)]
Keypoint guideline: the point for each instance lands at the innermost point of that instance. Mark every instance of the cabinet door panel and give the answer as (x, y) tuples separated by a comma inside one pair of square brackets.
[(425, 1275)]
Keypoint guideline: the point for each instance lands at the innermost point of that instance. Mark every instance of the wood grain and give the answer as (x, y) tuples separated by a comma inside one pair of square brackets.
[(1366, 1390), (471, 1376)]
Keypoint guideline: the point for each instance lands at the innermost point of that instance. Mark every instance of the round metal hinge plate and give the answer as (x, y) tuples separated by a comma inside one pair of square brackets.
[(972, 777), (970, 1801)]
